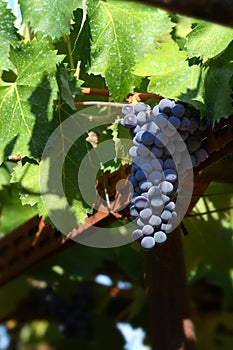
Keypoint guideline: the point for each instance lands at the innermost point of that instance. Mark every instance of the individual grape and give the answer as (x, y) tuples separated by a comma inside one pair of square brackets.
[(154, 191), (155, 221), (137, 234), (173, 218), (165, 198), (193, 125), (140, 106), (167, 228), (140, 223), (157, 164), (147, 243), (169, 164), (145, 214), (155, 177), (137, 129), (165, 106), (141, 202), (204, 124), (133, 151), (160, 119), (128, 109), (174, 121), (170, 206), (184, 134), (157, 203), (151, 127), (140, 175), (160, 237), (169, 132), (147, 230), (169, 149), (201, 155), (145, 185), (193, 144), (155, 110), (178, 110), (135, 168), (160, 140), (147, 168), (142, 151), (135, 142), (133, 212), (138, 136), (185, 124), (166, 187), (170, 175), (157, 152), (132, 179), (180, 146), (147, 138), (142, 118), (137, 190), (166, 215), (130, 120)]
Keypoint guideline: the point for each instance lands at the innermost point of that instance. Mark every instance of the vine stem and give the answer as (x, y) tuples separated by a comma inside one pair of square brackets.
[(168, 301), (99, 103)]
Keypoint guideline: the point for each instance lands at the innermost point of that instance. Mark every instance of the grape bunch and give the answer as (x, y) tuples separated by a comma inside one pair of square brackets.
[(161, 137)]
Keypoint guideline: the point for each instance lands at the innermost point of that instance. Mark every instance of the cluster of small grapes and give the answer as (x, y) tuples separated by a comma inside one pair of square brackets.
[(74, 314), (161, 138)]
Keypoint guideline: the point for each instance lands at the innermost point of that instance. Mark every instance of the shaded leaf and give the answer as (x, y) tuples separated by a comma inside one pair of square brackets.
[(12, 212), (26, 104)]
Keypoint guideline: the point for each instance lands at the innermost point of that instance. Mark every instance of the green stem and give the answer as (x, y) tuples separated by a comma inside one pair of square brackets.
[(70, 55)]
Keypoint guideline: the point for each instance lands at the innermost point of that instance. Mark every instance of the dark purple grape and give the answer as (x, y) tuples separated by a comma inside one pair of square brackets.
[(147, 138), (178, 110)]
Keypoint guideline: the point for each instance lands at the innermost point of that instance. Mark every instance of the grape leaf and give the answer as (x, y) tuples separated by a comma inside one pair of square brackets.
[(205, 87), (29, 176), (12, 212), (169, 72), (121, 33), (51, 18), (8, 36), (208, 40), (26, 104), (210, 235), (216, 88)]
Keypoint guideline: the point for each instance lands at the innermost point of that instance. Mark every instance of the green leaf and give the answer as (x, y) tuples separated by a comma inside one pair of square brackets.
[(121, 33), (208, 40), (8, 36), (51, 18), (26, 104), (169, 72), (210, 235), (12, 212), (216, 86), (64, 87)]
